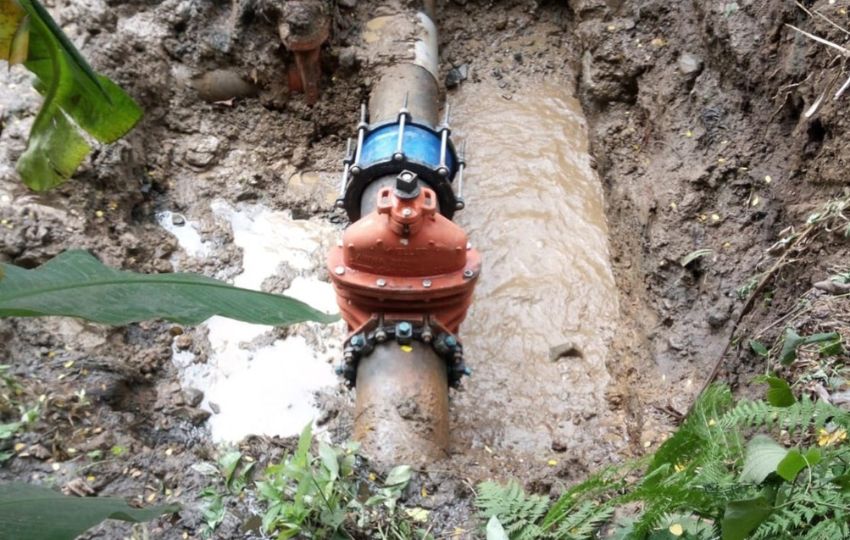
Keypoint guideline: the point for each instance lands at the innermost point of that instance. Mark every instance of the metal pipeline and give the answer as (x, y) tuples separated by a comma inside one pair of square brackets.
[(404, 273)]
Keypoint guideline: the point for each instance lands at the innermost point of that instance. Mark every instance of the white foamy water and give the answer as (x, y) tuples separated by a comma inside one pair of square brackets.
[(259, 383)]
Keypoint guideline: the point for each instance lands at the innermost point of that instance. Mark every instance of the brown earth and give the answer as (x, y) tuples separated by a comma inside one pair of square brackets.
[(698, 128)]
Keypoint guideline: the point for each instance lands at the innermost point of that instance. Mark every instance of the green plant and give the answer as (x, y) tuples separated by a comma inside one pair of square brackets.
[(33, 512), (76, 284), (324, 496), (75, 97), (723, 473)]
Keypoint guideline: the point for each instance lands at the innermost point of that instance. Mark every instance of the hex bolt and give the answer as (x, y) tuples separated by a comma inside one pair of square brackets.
[(406, 176), (426, 283), (339, 270), (381, 282), (468, 273), (380, 336), (450, 341), (407, 212)]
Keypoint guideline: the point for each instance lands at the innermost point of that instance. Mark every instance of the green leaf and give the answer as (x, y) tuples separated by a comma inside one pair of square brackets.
[(329, 460), (789, 347), (791, 465), (75, 284), (71, 90), (30, 512), (832, 348), (495, 531), (742, 517), (399, 476), (793, 341), (779, 393), (762, 457), (228, 463), (795, 462), (758, 348)]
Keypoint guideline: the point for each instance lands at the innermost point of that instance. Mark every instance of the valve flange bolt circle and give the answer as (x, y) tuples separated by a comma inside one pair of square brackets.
[(339, 270), (381, 282), (426, 283)]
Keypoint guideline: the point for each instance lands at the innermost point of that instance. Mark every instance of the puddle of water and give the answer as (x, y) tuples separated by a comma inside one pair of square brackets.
[(259, 383), (535, 211), (186, 233)]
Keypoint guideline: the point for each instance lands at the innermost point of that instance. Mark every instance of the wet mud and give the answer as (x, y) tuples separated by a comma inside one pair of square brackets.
[(588, 338), (546, 305)]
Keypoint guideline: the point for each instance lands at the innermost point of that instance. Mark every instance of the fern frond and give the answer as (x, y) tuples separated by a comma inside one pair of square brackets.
[(517, 511), (584, 522)]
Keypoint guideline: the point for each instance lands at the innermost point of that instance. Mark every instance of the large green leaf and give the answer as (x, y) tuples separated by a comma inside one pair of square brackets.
[(30, 512), (76, 284), (762, 457), (742, 517), (779, 392), (71, 90)]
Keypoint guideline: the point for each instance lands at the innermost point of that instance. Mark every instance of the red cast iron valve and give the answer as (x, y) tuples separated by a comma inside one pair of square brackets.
[(404, 260)]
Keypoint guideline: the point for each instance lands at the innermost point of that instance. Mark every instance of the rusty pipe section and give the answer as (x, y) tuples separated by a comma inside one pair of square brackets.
[(303, 30), (403, 273), (402, 407)]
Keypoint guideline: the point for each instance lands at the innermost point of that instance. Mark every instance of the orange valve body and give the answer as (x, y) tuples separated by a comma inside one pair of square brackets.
[(404, 261)]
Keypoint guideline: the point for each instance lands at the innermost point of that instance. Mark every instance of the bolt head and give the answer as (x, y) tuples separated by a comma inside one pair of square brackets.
[(426, 283), (339, 270), (407, 212), (468, 246), (468, 273), (381, 282)]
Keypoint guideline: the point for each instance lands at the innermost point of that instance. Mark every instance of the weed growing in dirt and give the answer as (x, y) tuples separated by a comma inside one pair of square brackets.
[(766, 469), (12, 406), (321, 495)]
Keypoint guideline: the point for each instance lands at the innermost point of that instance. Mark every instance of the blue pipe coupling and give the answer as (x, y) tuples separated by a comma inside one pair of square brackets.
[(389, 148)]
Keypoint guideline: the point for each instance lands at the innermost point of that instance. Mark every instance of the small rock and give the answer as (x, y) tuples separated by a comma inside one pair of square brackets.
[(192, 414), (215, 408), (457, 75), (222, 85), (183, 342), (559, 446), (178, 219), (689, 64), (202, 152), (347, 59), (193, 396), (501, 23)]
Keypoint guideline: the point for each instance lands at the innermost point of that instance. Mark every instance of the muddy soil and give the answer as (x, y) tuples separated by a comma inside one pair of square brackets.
[(698, 129)]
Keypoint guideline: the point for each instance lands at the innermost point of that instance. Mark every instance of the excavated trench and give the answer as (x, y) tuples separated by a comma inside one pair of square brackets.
[(539, 333), (244, 190)]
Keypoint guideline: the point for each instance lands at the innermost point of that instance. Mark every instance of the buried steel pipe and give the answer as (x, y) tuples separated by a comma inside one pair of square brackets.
[(402, 407), (404, 273)]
